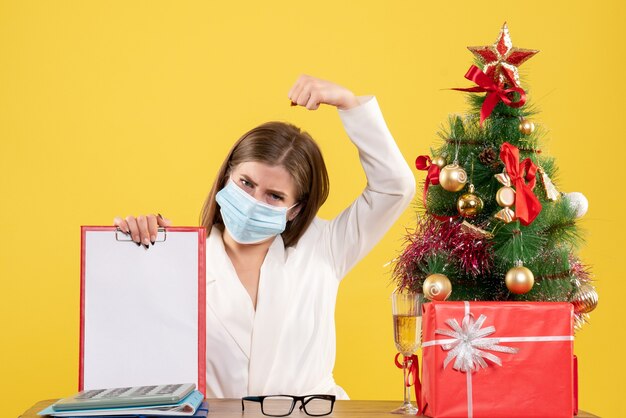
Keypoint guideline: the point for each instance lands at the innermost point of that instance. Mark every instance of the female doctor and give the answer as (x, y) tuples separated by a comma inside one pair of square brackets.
[(273, 268)]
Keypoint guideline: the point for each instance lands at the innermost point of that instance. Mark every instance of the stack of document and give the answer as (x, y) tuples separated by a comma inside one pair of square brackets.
[(132, 402)]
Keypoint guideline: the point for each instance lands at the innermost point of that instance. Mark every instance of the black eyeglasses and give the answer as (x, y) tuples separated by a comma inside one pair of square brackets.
[(282, 405)]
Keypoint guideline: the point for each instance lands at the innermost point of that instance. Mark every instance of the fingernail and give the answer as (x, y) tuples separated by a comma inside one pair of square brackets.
[(160, 216), (294, 104), (147, 246), (138, 244), (152, 239), (146, 241)]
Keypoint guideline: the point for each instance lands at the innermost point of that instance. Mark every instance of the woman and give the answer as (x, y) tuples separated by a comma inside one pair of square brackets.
[(273, 268)]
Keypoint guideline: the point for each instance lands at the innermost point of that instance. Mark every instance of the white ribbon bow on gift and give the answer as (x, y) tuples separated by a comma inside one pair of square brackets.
[(468, 344)]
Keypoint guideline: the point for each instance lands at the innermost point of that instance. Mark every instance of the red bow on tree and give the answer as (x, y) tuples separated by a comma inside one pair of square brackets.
[(522, 176), (423, 162), (495, 92)]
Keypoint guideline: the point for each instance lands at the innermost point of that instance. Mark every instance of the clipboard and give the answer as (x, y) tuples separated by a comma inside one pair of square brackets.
[(142, 311)]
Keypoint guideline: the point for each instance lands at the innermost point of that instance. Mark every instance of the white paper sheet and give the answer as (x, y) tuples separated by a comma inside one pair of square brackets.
[(141, 310)]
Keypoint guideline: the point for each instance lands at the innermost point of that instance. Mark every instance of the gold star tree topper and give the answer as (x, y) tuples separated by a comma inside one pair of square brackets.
[(502, 59)]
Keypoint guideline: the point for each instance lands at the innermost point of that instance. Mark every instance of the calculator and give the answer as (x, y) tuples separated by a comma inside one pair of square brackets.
[(125, 397)]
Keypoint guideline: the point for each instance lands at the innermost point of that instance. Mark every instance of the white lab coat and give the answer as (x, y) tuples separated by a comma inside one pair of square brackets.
[(288, 345)]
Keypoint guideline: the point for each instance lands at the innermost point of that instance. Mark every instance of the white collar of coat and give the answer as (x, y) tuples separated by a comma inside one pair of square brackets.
[(231, 304), (219, 261)]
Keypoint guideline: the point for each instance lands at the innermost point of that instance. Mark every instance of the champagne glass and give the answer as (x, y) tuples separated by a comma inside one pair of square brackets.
[(407, 332)]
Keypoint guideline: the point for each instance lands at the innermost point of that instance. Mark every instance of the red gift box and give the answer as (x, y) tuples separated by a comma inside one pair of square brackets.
[(533, 342)]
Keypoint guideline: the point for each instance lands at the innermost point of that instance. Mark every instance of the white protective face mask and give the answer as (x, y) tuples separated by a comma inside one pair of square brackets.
[(247, 220)]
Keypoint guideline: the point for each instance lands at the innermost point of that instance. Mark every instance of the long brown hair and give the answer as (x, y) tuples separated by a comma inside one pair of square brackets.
[(277, 144)]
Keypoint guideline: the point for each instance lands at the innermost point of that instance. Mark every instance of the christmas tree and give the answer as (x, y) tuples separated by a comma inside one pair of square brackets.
[(495, 227)]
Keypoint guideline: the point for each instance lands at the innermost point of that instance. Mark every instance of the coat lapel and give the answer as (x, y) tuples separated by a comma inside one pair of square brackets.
[(272, 302), (226, 296)]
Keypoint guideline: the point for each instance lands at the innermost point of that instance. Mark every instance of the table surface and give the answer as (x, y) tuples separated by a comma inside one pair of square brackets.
[(232, 408)]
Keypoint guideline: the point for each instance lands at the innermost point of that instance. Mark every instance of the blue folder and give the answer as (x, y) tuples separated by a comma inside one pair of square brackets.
[(194, 400), (201, 412)]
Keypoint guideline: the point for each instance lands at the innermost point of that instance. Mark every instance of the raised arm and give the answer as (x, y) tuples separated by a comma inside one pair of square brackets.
[(389, 190), (390, 182)]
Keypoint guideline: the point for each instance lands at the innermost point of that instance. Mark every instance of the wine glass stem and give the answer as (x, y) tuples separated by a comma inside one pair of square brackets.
[(407, 389)]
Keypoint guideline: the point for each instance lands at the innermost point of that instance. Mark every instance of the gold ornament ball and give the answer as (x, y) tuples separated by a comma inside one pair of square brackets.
[(452, 178), (439, 161), (469, 205), (505, 196), (519, 280), (526, 127), (585, 299), (437, 287)]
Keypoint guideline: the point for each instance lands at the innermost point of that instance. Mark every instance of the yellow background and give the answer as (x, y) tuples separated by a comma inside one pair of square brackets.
[(125, 107)]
